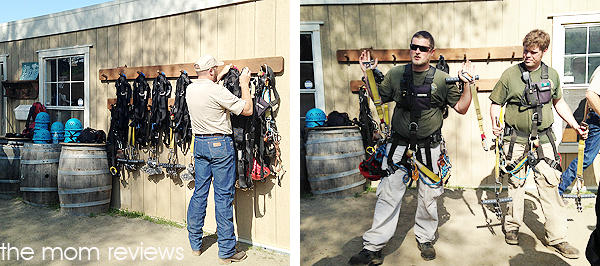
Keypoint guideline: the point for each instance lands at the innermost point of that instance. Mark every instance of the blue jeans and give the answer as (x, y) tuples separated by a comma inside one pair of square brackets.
[(214, 161), (592, 146)]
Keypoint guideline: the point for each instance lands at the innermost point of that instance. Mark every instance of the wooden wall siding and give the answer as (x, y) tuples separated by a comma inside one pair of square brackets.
[(230, 32), (453, 25)]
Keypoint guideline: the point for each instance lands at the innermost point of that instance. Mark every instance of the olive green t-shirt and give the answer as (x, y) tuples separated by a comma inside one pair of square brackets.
[(442, 94), (509, 90)]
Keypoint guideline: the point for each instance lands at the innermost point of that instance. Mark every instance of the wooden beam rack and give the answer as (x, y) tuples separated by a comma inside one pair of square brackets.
[(174, 70), (487, 54)]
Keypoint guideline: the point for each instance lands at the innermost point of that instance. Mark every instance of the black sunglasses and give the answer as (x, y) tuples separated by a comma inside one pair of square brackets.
[(414, 47)]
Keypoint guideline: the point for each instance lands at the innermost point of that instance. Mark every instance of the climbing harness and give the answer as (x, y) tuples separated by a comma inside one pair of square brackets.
[(119, 123), (180, 116), (139, 121)]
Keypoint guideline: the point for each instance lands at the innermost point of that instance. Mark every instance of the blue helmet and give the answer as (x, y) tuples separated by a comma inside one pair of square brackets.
[(42, 117), (41, 136), (315, 117), (57, 127), (73, 124)]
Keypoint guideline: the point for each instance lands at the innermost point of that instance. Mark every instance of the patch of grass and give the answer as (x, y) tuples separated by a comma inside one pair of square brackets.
[(135, 214), (371, 189), (163, 221), (55, 207)]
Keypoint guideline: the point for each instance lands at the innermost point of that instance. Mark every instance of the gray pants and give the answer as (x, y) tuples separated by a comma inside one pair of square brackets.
[(390, 191)]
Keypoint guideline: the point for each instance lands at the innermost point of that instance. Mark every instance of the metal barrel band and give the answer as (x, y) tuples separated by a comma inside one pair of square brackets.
[(340, 188), (83, 156), (334, 176), (83, 190), (10, 157), (85, 204), (46, 161), (332, 157), (10, 181), (319, 141), (42, 150), (88, 172), (39, 189)]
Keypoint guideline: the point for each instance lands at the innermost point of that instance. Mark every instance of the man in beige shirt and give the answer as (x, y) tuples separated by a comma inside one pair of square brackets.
[(210, 105)]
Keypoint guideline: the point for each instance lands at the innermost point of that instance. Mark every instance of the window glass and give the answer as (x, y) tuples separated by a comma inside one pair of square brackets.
[(306, 74), (64, 94), (51, 67), (594, 62), (594, 40), (64, 69), (575, 40), (306, 53), (77, 93), (77, 68)]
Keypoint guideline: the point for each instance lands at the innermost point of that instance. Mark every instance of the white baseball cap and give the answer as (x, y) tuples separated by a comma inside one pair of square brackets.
[(206, 62)]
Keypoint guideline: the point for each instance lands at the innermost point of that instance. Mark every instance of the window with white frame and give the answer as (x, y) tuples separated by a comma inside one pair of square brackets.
[(581, 52), (575, 56), (64, 83), (311, 70)]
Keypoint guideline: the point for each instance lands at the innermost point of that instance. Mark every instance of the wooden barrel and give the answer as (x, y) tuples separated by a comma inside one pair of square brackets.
[(84, 179), (39, 173), (332, 158), (10, 160)]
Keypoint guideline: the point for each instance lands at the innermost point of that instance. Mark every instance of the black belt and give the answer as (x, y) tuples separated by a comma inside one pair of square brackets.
[(210, 135)]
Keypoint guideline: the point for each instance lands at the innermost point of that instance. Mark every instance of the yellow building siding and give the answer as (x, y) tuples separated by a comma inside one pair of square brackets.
[(229, 32), (461, 24)]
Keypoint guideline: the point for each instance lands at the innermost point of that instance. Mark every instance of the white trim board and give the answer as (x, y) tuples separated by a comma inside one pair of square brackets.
[(102, 15)]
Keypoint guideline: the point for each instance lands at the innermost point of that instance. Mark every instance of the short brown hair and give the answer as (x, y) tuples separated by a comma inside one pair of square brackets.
[(425, 35), (537, 38)]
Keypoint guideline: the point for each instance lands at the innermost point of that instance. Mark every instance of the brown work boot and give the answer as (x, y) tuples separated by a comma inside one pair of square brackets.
[(427, 250), (238, 256), (566, 250), (512, 237), (196, 252)]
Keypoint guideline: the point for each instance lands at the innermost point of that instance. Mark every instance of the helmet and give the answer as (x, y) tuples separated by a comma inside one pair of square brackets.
[(73, 124), (42, 117), (41, 136), (57, 127), (315, 117), (42, 120)]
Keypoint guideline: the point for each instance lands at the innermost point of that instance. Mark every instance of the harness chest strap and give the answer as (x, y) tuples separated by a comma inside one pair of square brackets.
[(408, 102)]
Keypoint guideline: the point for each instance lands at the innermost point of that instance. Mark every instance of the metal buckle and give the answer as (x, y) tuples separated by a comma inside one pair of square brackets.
[(416, 126)]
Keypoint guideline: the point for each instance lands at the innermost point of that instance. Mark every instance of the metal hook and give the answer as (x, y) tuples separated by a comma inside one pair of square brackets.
[(347, 59), (394, 56)]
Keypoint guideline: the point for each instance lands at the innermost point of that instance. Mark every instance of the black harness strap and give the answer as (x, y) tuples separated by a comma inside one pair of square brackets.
[(415, 113)]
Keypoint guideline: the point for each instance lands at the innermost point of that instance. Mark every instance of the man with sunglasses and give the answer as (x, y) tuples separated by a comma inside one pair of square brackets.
[(417, 119), (529, 90)]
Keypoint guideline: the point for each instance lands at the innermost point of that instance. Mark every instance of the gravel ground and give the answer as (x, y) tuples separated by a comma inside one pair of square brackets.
[(331, 231), (111, 240)]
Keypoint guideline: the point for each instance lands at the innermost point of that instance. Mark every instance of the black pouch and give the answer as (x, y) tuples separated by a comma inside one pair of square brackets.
[(422, 97), (539, 93)]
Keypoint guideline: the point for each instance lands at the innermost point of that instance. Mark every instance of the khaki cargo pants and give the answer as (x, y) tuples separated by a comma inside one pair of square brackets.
[(546, 181)]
